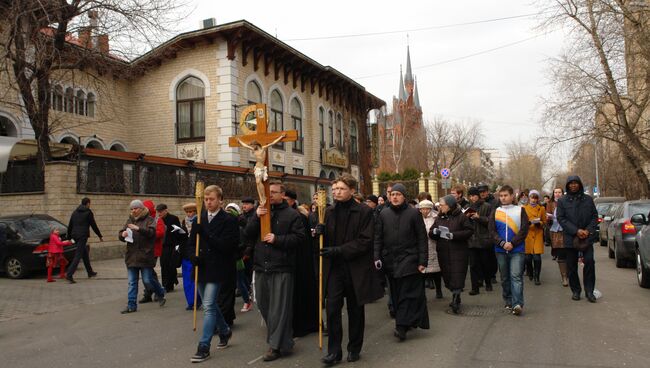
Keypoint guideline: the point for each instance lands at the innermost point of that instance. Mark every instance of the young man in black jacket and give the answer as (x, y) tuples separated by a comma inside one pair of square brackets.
[(274, 262), (78, 229)]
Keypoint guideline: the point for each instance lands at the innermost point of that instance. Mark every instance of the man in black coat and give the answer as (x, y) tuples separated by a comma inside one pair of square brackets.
[(348, 270), (274, 264), (578, 217), (78, 229), (401, 248), (218, 241), (168, 259)]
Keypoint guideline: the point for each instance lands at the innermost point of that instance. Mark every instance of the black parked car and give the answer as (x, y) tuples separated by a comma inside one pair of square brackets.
[(642, 249), (27, 243), (621, 232), (604, 205)]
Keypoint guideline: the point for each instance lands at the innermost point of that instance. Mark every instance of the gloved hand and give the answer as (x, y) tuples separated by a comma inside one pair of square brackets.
[(378, 265), (196, 261), (331, 252), (435, 231), (319, 229), (448, 236)]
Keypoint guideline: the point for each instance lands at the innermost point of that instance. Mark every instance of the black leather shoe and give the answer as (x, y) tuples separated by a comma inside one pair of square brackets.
[(145, 299), (576, 296), (353, 357), (400, 333), (70, 280), (474, 292), (331, 359), (271, 355), (591, 298), (92, 274), (128, 310)]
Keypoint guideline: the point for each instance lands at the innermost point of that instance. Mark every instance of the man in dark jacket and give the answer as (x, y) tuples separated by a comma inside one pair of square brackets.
[(169, 258), (218, 240), (480, 244), (348, 271), (401, 248), (274, 262), (578, 217), (82, 218)]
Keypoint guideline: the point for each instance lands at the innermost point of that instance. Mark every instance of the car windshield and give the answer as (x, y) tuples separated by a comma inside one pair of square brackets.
[(602, 208), (642, 208), (37, 228)]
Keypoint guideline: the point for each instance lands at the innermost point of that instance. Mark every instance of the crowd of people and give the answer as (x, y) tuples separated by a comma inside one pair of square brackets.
[(374, 246)]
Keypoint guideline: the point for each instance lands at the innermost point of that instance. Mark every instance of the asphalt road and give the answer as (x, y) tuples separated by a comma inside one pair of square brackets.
[(61, 325)]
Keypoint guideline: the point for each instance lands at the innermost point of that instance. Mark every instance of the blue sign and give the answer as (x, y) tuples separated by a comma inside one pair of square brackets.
[(445, 173), (595, 190)]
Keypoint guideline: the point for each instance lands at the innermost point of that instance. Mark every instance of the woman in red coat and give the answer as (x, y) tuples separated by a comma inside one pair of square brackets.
[(55, 255), (157, 248)]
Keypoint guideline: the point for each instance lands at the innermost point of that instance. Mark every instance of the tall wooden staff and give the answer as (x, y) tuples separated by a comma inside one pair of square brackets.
[(322, 202), (198, 196)]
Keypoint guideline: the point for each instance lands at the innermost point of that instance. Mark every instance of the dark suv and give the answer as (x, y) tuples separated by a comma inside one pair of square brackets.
[(27, 243)]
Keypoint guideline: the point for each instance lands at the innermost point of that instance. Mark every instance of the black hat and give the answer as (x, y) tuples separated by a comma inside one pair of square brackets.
[(373, 198), (482, 187), (161, 206), (291, 194), (473, 191), (248, 200)]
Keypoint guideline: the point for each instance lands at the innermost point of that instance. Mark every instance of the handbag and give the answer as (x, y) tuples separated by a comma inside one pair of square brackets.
[(580, 244)]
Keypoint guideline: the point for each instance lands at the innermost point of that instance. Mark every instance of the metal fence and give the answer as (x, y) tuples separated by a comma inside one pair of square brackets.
[(22, 177)]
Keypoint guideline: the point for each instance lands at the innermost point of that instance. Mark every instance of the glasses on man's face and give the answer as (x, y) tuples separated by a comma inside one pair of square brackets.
[(274, 192)]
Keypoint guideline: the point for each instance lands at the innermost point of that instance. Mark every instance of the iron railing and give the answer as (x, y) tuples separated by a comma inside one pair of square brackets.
[(22, 177)]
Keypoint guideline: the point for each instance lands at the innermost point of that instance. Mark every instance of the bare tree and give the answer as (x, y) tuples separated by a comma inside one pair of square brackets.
[(449, 143), (601, 78), (408, 140), (524, 167), (36, 46)]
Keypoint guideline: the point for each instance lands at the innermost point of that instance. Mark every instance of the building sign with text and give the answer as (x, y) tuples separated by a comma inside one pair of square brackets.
[(334, 157)]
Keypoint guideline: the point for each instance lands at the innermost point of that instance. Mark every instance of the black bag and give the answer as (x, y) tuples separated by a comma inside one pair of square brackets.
[(580, 244)]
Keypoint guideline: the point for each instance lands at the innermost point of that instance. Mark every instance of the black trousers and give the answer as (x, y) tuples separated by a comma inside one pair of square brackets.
[(80, 254), (339, 286), (588, 273), (481, 267), (226, 300), (167, 268)]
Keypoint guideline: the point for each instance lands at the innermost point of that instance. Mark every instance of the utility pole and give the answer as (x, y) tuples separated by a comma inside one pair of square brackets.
[(596, 158)]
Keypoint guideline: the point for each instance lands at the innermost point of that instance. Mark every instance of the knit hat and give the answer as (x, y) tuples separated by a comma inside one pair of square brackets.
[(136, 203), (425, 204), (399, 187), (373, 198), (450, 200), (533, 192), (233, 206), (482, 187), (161, 206), (473, 191)]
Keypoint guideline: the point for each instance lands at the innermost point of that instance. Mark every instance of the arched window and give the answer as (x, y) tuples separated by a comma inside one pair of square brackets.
[(354, 144), (190, 109), (332, 175), (296, 118), (118, 147), (57, 98), (254, 93), (275, 120), (330, 127), (69, 100), (7, 128), (339, 130), (69, 140), (321, 126), (90, 105), (81, 103), (94, 144)]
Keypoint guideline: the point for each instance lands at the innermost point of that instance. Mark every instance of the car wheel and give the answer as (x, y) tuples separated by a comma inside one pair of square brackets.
[(15, 268), (610, 252), (642, 274), (620, 262), (603, 243)]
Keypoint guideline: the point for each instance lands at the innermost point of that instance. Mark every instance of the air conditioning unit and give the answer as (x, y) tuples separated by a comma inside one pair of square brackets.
[(207, 23)]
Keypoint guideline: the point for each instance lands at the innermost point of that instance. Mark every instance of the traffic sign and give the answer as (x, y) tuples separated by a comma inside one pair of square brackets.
[(446, 183), (445, 173)]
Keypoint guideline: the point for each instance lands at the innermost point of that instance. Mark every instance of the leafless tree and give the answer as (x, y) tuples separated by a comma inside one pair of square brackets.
[(524, 167), (36, 47), (449, 143), (601, 78)]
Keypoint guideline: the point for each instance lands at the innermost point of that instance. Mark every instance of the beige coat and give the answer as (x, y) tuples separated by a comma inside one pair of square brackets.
[(432, 264)]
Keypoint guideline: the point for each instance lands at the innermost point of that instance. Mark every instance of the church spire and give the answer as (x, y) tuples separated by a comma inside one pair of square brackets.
[(416, 97), (408, 77), (402, 92)]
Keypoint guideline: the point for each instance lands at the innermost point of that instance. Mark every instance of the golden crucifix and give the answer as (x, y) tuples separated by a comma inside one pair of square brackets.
[(254, 124)]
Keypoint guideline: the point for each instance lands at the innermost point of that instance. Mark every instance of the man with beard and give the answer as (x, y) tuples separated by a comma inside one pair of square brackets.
[(401, 247), (347, 268)]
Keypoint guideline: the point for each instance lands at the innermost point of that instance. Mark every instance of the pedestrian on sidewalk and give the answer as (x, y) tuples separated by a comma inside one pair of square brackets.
[(508, 228), (157, 249), (481, 249), (55, 255), (401, 249), (78, 230), (243, 285), (348, 273), (432, 274), (557, 235), (578, 217), (186, 263), (274, 264), (535, 239), (168, 258), (452, 230), (139, 234), (218, 234)]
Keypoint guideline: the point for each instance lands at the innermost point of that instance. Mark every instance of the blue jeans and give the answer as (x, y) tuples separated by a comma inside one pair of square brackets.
[(243, 284), (212, 316), (148, 280), (511, 268)]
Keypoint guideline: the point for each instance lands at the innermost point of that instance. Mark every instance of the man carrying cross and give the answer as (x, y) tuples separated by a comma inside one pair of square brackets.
[(261, 170)]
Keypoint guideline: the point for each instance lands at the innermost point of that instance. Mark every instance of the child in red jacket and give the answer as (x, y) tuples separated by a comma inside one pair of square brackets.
[(55, 255)]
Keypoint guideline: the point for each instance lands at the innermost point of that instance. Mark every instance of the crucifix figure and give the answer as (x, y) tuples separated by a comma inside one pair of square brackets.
[(253, 124)]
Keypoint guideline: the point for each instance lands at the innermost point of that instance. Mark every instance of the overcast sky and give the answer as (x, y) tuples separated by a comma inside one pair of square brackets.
[(501, 88)]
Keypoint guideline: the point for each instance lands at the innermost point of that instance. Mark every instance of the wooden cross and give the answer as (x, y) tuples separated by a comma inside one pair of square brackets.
[(254, 125)]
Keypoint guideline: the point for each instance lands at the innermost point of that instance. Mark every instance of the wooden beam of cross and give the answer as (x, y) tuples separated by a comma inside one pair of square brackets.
[(254, 124)]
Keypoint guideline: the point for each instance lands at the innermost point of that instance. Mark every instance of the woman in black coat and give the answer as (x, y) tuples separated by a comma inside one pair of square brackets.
[(452, 230)]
